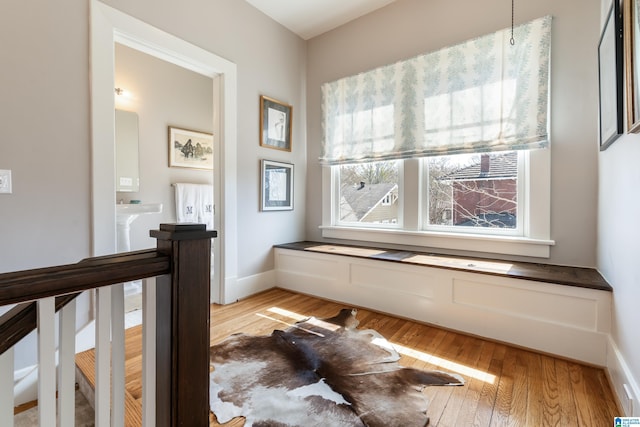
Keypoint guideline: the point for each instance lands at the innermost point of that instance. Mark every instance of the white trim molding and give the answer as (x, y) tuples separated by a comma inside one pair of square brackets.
[(507, 245), (535, 240), (625, 386), (108, 25)]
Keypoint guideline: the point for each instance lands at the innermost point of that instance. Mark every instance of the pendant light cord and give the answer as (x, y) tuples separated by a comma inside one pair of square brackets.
[(512, 41)]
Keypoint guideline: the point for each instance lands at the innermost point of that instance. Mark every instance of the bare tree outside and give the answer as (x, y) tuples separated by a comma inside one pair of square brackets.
[(441, 190), (369, 173), (473, 190)]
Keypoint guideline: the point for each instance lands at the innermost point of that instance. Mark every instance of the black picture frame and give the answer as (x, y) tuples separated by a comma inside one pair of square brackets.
[(277, 186), (631, 24), (275, 124), (610, 78)]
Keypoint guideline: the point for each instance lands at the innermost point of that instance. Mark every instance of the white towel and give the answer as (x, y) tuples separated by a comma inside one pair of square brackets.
[(187, 202), (205, 205)]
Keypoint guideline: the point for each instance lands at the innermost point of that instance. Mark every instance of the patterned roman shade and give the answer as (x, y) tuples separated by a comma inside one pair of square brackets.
[(478, 96)]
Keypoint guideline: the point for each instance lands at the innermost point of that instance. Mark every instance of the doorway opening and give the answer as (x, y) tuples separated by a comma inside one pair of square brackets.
[(110, 26)]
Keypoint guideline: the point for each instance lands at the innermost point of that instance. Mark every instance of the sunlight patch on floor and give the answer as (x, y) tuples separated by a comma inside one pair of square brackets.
[(290, 314), (291, 325), (446, 364), (419, 355)]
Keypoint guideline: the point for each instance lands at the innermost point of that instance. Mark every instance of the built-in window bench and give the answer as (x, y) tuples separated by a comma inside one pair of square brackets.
[(565, 311)]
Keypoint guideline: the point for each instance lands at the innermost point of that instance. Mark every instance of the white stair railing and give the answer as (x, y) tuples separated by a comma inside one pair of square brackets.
[(183, 301), (66, 364), (46, 362), (149, 352), (6, 393)]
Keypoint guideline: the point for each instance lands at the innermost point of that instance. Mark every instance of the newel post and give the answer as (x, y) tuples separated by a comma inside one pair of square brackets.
[(182, 326)]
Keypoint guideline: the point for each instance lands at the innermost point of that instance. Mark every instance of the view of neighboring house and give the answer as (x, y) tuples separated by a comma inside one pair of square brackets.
[(485, 193), (375, 203)]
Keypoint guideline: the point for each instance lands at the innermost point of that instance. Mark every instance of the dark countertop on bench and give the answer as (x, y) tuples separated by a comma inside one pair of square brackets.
[(570, 276)]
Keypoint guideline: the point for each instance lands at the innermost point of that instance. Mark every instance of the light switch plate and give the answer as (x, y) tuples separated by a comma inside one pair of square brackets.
[(5, 181)]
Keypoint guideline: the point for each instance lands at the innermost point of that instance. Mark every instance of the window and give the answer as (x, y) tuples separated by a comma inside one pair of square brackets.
[(478, 193), (416, 225), (461, 135), (368, 193)]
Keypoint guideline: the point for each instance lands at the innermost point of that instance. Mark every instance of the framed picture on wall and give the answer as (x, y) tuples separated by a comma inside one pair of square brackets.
[(277, 186), (275, 124), (632, 62), (610, 78), (190, 149)]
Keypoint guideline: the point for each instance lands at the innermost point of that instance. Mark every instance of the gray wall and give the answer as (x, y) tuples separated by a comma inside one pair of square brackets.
[(619, 240), (410, 27), (45, 121)]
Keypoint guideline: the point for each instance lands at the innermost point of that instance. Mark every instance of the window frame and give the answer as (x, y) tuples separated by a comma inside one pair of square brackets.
[(335, 202), (522, 216), (534, 241)]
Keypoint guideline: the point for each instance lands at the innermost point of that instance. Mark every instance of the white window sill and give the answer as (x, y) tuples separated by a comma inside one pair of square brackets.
[(508, 245)]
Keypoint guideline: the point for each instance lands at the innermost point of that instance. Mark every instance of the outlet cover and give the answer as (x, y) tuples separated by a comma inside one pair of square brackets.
[(5, 181), (627, 400)]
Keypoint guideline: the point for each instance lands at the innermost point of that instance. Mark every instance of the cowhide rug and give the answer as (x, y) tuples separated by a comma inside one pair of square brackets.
[(319, 373)]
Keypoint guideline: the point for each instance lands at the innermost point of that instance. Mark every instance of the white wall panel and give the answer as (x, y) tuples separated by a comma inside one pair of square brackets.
[(392, 280), (527, 303)]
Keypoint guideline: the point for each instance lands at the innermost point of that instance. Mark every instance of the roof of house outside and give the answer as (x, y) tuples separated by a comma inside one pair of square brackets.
[(503, 165), (499, 220), (357, 201)]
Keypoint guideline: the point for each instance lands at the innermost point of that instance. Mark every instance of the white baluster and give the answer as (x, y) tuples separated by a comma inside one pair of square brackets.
[(103, 359), (117, 354), (66, 365), (46, 362), (149, 352), (6, 393)]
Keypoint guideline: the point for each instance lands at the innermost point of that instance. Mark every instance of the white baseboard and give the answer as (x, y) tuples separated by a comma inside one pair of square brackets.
[(247, 286), (620, 376)]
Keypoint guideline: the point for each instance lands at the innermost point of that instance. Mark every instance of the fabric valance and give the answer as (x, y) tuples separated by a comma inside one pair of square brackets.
[(481, 95)]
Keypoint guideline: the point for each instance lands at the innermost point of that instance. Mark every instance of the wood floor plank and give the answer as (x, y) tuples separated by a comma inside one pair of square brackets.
[(569, 415), (438, 397), (528, 389), (603, 406), (504, 394), (580, 396), (468, 356), (518, 408), (535, 409), (551, 409), (489, 391)]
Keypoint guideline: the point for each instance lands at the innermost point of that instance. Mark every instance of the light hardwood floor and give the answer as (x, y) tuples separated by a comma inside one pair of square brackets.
[(505, 386)]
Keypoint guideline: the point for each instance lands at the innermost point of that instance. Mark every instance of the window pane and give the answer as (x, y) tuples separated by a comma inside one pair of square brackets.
[(369, 193), (474, 190)]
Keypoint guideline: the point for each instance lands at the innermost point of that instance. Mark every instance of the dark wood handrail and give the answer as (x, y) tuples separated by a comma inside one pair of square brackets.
[(90, 273), (182, 263)]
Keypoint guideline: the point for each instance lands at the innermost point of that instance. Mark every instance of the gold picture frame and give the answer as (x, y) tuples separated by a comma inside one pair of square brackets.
[(275, 124)]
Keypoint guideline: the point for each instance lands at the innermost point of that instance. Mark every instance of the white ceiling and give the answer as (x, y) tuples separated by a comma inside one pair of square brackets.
[(309, 18)]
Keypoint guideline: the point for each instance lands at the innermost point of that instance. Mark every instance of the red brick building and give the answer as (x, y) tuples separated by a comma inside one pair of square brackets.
[(485, 193)]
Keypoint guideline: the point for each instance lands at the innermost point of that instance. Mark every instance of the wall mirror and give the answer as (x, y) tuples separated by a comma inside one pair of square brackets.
[(126, 135)]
